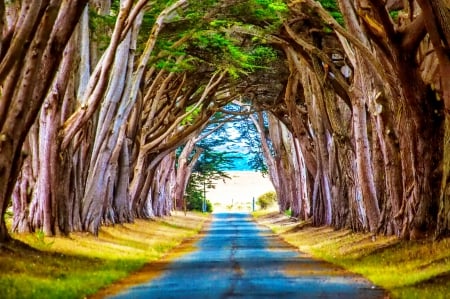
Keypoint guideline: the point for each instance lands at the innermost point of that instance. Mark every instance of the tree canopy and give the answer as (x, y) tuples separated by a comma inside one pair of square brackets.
[(349, 99)]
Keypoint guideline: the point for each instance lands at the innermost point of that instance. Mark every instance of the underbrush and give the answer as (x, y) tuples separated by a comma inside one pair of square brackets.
[(406, 269), (35, 266)]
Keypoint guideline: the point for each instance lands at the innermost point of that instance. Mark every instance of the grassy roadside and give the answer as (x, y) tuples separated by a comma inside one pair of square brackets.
[(419, 269), (81, 264)]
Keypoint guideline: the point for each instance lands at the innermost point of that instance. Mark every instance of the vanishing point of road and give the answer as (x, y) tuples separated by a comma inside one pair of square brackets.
[(239, 259)]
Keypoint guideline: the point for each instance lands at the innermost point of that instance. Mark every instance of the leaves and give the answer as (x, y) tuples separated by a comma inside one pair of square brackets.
[(227, 35), (332, 7), (193, 111)]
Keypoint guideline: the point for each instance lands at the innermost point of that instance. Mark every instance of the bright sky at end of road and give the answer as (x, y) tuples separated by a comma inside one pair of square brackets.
[(238, 192)]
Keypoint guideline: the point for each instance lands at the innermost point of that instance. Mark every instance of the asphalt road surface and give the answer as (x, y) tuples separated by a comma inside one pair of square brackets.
[(239, 259)]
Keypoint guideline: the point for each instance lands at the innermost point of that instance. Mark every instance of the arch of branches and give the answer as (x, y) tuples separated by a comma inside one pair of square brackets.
[(350, 99)]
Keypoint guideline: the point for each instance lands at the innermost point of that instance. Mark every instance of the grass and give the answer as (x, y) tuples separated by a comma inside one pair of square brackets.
[(406, 269), (81, 265), (78, 266)]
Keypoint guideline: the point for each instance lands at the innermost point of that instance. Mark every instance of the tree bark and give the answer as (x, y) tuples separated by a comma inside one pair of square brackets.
[(184, 170), (39, 64), (437, 19)]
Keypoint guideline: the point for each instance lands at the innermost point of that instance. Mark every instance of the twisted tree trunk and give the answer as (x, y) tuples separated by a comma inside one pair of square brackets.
[(20, 67)]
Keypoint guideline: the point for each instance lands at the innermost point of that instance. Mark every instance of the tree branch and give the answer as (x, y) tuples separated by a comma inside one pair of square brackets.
[(309, 48), (330, 21), (413, 34)]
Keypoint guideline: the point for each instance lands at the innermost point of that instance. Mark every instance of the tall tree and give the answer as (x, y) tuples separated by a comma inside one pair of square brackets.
[(46, 28), (436, 16)]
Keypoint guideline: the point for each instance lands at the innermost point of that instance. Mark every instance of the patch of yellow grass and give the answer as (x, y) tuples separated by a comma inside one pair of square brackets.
[(407, 269), (81, 264)]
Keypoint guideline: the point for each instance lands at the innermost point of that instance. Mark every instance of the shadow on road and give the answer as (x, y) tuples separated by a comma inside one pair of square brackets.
[(239, 259)]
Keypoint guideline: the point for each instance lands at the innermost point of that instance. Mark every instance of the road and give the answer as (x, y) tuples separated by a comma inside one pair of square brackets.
[(239, 259)]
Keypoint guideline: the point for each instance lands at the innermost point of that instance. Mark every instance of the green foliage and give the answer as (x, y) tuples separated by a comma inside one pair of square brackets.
[(195, 200), (263, 54), (258, 163), (333, 8), (208, 168), (175, 67), (266, 199), (394, 14), (40, 240), (193, 114), (215, 40), (268, 14), (101, 27), (210, 40), (268, 9), (212, 161), (224, 50)]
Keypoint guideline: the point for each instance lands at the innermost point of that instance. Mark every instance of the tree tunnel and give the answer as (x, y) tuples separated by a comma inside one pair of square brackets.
[(104, 110)]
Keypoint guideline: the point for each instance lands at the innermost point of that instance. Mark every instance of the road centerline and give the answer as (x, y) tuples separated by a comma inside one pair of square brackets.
[(239, 259)]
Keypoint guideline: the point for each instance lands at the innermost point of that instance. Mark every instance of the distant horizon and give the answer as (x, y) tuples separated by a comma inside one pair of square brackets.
[(239, 191)]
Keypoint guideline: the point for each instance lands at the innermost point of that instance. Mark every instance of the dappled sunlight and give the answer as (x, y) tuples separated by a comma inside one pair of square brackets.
[(327, 121), (409, 269), (81, 263), (238, 258)]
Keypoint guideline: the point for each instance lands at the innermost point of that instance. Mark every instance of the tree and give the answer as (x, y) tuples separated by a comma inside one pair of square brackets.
[(436, 20), (370, 36), (208, 169), (266, 199), (47, 27), (348, 100)]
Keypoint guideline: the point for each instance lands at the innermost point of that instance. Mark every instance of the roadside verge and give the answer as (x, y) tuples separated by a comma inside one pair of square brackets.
[(78, 266), (406, 269), (153, 269)]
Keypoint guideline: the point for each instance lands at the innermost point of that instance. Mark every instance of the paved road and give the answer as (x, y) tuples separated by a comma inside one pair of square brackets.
[(239, 259)]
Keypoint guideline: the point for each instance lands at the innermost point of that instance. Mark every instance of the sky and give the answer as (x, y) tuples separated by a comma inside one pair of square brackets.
[(236, 147)]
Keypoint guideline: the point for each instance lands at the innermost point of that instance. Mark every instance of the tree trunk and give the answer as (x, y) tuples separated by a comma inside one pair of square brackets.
[(162, 203), (391, 221), (184, 170), (437, 20), (268, 157), (276, 163), (99, 198), (25, 184), (363, 164), (443, 221), (19, 69)]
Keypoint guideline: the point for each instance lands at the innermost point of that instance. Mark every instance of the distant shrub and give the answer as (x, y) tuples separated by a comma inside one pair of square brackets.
[(195, 203), (266, 199)]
